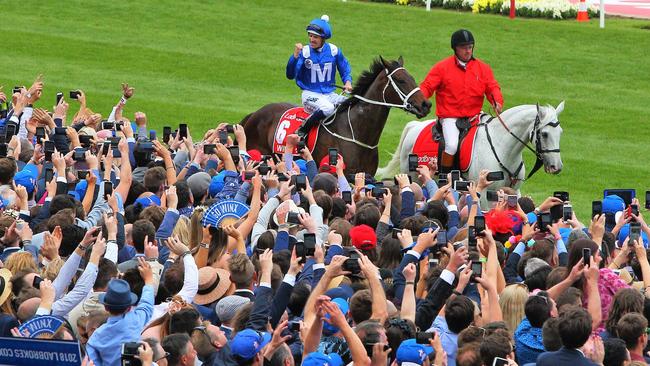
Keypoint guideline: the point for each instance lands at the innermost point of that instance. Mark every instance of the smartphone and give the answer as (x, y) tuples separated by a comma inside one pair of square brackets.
[(495, 176), (424, 337), (333, 156), (234, 153), (477, 270), (413, 162), (647, 200), (3, 150), (292, 218), (79, 155), (441, 238), (10, 131), (395, 231), (49, 175), (347, 197), (310, 244), (512, 201), (105, 146), (586, 256), (223, 137), (498, 361), (37, 282), (301, 146), (74, 94), (59, 96), (167, 131), (108, 125), (461, 186), (182, 130), (596, 208), (264, 169), (230, 129), (634, 209), (300, 182), (492, 196), (564, 196), (108, 189), (635, 232), (544, 220), (442, 182), (378, 192), (82, 174), (48, 149), (249, 175), (152, 135), (209, 149), (282, 177), (352, 263), (479, 224), (556, 213), (40, 134), (455, 175), (567, 213), (471, 237)]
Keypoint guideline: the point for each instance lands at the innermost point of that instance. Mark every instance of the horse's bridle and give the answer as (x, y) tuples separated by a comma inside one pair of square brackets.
[(403, 96), (538, 150), (405, 106)]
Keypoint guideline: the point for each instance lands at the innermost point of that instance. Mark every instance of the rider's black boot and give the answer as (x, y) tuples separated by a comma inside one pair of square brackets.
[(312, 121)]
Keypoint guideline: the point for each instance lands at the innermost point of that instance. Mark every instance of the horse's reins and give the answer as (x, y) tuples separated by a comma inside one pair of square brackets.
[(405, 106)]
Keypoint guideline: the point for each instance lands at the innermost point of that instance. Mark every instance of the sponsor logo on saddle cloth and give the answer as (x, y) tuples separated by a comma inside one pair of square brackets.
[(289, 123), (427, 149)]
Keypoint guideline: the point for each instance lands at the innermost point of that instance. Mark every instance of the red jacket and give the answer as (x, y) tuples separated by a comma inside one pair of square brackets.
[(459, 92)]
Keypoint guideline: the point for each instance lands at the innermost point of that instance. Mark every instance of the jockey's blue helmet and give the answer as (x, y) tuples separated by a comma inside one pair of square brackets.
[(320, 27)]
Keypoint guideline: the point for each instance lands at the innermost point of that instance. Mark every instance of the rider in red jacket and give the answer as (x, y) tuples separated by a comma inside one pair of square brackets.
[(460, 82)]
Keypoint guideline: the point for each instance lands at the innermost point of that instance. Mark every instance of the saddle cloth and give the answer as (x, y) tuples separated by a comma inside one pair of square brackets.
[(289, 124)]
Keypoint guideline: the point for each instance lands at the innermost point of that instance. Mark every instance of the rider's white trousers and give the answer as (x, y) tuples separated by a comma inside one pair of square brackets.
[(327, 103), (450, 132)]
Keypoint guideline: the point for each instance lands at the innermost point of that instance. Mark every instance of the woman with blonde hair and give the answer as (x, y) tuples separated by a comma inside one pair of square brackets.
[(182, 230), (512, 302), (21, 260)]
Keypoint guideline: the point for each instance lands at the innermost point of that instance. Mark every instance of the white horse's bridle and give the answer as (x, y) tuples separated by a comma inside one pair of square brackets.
[(403, 96)]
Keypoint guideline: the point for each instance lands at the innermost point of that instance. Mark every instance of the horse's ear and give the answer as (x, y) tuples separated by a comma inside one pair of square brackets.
[(400, 60), (385, 63), (559, 108)]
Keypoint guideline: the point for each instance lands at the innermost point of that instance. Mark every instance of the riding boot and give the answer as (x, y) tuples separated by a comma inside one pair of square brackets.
[(312, 121), (446, 163)]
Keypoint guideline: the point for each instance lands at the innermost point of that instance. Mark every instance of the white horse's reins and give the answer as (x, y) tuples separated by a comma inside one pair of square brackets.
[(405, 106)]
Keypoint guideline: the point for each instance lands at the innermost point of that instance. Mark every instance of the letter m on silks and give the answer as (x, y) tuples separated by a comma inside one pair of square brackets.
[(323, 75)]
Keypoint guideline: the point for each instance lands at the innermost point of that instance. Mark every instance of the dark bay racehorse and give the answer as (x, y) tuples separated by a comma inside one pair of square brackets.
[(356, 126)]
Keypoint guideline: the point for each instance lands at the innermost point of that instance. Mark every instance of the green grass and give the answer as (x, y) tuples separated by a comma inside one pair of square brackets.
[(204, 62)]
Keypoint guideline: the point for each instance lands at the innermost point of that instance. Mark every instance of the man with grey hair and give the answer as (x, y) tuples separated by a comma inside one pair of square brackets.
[(226, 309)]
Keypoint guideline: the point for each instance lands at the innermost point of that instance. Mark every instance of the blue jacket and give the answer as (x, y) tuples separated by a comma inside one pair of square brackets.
[(528, 342), (314, 69)]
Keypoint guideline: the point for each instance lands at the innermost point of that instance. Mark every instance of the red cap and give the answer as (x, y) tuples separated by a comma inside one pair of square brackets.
[(255, 155), (325, 166), (363, 237)]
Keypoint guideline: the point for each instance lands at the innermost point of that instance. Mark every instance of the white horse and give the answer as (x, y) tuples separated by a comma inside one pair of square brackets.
[(497, 149)]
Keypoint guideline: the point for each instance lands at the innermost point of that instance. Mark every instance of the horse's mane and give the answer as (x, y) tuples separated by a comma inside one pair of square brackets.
[(366, 79)]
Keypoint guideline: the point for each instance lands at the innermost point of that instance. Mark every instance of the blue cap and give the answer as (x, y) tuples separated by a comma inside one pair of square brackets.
[(151, 200), (321, 359), (411, 352), (613, 204), (532, 218), (27, 177), (321, 27), (625, 232), (247, 343), (302, 164), (344, 292), (329, 329), (216, 185)]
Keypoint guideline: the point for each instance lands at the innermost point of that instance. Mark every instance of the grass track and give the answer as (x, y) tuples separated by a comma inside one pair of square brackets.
[(204, 61)]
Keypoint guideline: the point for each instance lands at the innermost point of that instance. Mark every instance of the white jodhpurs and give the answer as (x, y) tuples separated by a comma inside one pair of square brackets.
[(326, 103), (450, 132)]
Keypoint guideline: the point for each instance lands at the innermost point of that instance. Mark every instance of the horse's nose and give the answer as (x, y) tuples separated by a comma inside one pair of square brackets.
[(426, 106)]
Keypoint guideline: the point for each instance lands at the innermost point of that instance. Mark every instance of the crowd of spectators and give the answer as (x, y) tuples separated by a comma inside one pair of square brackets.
[(139, 242)]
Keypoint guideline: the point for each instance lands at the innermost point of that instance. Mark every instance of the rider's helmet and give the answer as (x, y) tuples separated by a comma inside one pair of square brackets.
[(461, 37), (320, 27)]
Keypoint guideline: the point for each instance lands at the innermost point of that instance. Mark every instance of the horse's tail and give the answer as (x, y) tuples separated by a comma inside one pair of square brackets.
[(393, 164)]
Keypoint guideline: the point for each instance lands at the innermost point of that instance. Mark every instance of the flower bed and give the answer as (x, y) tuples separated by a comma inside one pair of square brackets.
[(551, 9)]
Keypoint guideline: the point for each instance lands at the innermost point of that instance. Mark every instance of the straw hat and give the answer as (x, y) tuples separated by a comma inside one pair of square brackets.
[(213, 284), (5, 285)]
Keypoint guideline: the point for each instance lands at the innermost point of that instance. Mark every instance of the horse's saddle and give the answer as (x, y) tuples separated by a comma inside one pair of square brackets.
[(463, 124)]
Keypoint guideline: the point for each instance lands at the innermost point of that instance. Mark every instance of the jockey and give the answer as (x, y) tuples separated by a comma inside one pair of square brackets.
[(460, 82), (314, 71)]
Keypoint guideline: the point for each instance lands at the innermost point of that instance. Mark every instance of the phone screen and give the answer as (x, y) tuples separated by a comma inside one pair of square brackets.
[(347, 197), (586, 256), (310, 243), (596, 208), (182, 130), (108, 189), (479, 223), (413, 162), (495, 176), (477, 269), (49, 175), (455, 175), (167, 131), (567, 212), (333, 156), (564, 196)]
